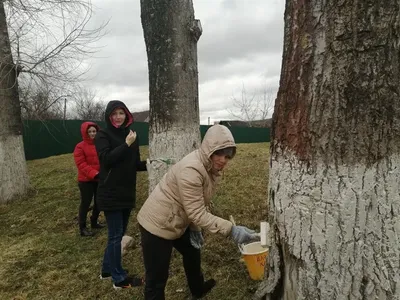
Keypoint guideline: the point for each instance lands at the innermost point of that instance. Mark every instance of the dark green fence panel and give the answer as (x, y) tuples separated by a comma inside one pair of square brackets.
[(44, 139), (55, 137), (203, 129), (250, 134), (142, 130), (47, 138), (245, 134)]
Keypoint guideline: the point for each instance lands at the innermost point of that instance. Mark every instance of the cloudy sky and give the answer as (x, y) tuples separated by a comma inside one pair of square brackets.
[(241, 45)]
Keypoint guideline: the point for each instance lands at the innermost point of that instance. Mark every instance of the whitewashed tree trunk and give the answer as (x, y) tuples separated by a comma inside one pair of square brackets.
[(171, 34), (13, 172), (334, 196)]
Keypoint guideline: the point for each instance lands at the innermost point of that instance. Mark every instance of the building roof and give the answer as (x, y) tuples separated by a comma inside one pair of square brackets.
[(256, 123), (141, 116)]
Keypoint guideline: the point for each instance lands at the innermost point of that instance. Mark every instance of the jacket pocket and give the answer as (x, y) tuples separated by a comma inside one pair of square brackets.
[(176, 218)]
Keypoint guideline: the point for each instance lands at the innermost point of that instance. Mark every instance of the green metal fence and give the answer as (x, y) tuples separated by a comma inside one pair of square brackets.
[(55, 137)]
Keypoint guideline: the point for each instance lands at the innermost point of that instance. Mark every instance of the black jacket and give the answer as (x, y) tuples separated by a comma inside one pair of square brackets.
[(118, 163)]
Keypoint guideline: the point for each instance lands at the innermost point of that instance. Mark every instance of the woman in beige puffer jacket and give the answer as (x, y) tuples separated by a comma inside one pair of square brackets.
[(176, 211)]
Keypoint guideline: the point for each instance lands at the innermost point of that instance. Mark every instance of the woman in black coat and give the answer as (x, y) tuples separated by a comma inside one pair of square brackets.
[(118, 150)]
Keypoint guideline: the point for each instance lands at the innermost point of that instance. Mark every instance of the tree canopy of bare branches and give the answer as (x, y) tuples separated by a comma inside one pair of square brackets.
[(255, 106), (50, 39), (41, 103), (50, 42), (88, 106)]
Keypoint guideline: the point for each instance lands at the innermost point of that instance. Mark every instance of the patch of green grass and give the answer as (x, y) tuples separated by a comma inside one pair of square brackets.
[(43, 257)]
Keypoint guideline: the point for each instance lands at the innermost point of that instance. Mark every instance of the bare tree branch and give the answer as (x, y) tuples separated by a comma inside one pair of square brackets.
[(51, 39), (40, 102), (253, 107), (88, 106)]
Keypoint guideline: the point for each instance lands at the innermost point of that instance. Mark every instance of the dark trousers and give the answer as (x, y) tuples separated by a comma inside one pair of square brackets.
[(117, 221), (88, 192), (157, 255)]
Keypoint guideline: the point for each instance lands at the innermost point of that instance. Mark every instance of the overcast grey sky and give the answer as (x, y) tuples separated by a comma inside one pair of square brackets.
[(241, 44)]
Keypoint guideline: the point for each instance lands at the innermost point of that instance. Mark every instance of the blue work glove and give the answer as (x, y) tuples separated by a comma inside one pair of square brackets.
[(196, 239), (244, 235)]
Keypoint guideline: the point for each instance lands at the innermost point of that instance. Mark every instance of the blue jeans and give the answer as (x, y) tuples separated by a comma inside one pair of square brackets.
[(117, 221)]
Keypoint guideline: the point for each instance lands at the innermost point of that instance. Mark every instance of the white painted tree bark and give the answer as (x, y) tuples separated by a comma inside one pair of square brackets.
[(13, 172), (334, 196), (171, 34)]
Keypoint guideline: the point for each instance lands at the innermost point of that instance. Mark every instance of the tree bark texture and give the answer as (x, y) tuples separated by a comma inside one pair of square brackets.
[(334, 197), (13, 171), (171, 34)]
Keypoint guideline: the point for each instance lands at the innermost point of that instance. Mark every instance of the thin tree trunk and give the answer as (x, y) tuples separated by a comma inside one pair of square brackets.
[(13, 172), (171, 34), (334, 197)]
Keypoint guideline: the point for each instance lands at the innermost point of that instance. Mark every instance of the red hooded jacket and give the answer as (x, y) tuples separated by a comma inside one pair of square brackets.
[(85, 155)]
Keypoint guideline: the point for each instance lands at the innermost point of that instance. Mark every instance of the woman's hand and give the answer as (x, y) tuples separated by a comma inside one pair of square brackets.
[(130, 138)]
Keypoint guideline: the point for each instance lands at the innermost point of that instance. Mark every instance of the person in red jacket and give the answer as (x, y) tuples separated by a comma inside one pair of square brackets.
[(88, 165)]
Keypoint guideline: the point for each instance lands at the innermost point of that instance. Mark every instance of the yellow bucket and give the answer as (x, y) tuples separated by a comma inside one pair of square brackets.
[(255, 257)]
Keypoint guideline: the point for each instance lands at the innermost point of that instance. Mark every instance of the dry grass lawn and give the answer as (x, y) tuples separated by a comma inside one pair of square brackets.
[(43, 257)]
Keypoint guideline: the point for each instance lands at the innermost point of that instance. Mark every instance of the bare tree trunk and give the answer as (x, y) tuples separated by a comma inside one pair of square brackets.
[(13, 172), (171, 34), (334, 197)]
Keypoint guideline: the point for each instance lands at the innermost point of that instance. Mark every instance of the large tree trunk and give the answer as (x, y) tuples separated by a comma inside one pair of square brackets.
[(171, 34), (13, 172), (334, 197)]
